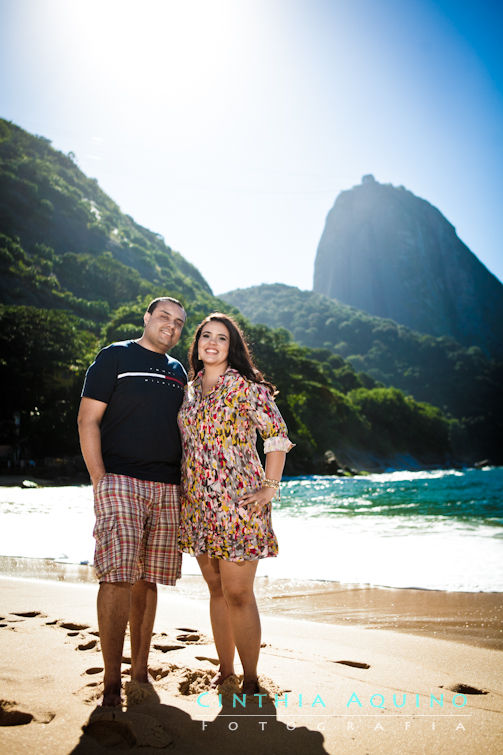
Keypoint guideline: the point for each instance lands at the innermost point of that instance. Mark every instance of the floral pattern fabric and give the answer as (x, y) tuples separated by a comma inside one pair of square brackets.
[(220, 465)]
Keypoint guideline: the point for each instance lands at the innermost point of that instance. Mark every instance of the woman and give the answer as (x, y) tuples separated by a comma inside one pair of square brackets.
[(225, 496)]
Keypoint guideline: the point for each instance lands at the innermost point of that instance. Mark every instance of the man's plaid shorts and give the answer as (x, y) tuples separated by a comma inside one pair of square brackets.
[(136, 530)]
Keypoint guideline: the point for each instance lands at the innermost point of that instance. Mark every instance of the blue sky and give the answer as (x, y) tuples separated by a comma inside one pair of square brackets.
[(230, 126)]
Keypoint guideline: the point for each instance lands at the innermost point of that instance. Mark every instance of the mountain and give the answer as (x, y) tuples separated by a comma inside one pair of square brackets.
[(77, 274), (390, 253), (460, 380)]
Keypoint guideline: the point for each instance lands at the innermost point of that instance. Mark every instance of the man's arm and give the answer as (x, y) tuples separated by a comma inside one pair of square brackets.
[(89, 420)]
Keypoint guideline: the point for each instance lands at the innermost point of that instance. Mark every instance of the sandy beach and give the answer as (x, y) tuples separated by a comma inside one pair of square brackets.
[(344, 684)]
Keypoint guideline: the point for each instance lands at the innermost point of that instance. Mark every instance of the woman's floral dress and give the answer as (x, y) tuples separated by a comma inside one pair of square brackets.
[(220, 465)]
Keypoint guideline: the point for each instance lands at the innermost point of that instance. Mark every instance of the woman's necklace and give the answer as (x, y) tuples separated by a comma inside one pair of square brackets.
[(208, 383)]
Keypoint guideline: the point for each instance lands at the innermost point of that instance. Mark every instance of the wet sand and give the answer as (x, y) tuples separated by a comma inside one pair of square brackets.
[(471, 618)]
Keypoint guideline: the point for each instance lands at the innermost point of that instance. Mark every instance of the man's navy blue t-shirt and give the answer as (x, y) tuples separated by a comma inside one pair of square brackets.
[(143, 391)]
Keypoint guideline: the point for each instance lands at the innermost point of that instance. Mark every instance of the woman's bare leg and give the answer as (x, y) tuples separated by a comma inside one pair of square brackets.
[(220, 616), (237, 583)]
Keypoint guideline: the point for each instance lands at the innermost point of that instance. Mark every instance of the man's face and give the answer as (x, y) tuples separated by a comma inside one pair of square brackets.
[(163, 327)]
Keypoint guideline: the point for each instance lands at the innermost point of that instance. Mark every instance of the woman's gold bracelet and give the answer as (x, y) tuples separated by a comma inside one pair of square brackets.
[(266, 483), (271, 483)]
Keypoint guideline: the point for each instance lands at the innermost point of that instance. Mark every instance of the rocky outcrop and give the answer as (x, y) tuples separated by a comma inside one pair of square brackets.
[(394, 255)]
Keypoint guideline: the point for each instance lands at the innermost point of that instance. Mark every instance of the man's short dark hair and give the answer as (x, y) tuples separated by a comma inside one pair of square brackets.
[(153, 304)]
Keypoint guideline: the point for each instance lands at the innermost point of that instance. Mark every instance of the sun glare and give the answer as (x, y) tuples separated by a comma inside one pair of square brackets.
[(160, 49)]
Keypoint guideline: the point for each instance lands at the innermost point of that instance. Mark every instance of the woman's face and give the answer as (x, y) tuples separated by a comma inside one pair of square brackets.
[(213, 345)]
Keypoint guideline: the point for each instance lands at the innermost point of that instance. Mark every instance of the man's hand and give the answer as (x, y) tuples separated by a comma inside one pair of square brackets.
[(89, 420), (96, 480)]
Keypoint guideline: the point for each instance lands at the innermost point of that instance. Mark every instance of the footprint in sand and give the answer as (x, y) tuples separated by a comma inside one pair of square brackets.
[(214, 661), (164, 648), (14, 621), (76, 630), (158, 673), (87, 645), (72, 626), (99, 670), (354, 664), (193, 639), (91, 693), (465, 689), (190, 637), (10, 715)]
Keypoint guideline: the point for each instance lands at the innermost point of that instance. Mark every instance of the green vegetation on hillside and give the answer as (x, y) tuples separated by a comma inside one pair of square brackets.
[(326, 406), (459, 380), (44, 353), (71, 230), (77, 275)]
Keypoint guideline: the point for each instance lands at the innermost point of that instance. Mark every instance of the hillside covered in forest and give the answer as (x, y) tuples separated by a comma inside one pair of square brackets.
[(77, 274), (460, 380)]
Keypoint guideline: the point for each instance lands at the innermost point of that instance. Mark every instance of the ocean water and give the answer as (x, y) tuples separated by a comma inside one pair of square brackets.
[(439, 529)]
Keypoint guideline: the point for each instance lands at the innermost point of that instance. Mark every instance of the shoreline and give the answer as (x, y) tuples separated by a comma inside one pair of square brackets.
[(345, 470), (471, 618), (328, 688)]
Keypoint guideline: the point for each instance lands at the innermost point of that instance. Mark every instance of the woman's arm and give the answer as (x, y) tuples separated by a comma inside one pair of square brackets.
[(274, 463)]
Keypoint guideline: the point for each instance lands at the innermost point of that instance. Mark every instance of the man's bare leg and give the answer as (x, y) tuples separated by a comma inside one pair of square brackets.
[(141, 624), (114, 600)]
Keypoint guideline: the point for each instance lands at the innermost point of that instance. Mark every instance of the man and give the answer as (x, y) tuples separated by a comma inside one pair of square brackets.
[(131, 446)]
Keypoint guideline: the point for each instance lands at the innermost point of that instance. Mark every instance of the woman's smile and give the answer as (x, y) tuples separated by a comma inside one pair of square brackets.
[(213, 344)]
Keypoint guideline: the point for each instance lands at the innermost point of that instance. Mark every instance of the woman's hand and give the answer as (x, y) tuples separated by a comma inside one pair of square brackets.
[(256, 501)]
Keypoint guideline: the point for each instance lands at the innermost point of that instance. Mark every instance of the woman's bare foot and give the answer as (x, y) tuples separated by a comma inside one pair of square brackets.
[(220, 678), (112, 696), (250, 687)]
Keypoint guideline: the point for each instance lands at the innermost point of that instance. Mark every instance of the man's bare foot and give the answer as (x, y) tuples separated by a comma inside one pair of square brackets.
[(140, 692), (250, 687), (144, 677), (220, 678), (112, 696)]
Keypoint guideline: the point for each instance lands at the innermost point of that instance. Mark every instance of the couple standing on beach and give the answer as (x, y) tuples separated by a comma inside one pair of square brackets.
[(144, 433)]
